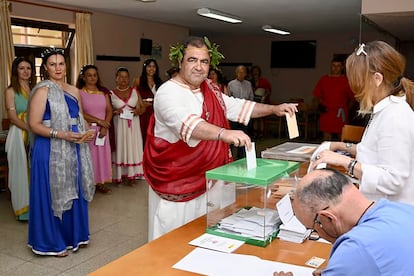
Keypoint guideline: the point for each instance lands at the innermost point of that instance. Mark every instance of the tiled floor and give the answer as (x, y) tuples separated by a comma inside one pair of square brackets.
[(118, 224)]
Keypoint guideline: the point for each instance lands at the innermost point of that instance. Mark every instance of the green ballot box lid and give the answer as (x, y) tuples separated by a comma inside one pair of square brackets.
[(266, 172)]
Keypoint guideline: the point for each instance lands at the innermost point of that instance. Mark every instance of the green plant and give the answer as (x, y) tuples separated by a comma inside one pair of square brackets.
[(177, 53)]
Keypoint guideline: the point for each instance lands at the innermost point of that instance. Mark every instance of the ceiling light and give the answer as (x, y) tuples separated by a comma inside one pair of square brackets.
[(207, 12), (269, 28)]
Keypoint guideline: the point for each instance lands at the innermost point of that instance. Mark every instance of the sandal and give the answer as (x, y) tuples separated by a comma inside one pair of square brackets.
[(62, 255), (102, 189)]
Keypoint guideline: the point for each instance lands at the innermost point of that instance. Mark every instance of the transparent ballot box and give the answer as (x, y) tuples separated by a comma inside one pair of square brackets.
[(239, 203)]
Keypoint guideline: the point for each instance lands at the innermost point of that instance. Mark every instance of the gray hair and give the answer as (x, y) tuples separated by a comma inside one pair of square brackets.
[(323, 191)]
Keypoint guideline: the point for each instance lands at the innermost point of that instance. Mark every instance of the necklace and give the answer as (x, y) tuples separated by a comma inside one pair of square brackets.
[(121, 90), (91, 91), (366, 209)]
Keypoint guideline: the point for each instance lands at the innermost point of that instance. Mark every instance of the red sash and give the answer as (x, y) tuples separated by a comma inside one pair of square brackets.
[(177, 169)]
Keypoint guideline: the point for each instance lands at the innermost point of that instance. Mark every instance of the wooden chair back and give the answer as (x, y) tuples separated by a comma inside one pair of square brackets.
[(352, 133)]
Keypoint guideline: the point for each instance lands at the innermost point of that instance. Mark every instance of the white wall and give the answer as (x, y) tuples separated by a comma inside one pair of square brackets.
[(119, 36), (291, 83)]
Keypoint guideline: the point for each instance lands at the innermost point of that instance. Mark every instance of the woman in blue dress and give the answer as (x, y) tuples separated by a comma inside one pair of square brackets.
[(61, 180)]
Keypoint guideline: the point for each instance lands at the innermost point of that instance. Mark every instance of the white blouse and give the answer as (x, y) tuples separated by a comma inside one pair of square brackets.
[(386, 152)]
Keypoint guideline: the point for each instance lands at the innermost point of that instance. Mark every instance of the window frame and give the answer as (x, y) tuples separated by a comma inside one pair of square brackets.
[(33, 51)]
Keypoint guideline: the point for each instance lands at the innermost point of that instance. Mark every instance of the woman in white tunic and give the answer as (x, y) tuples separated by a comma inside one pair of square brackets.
[(127, 106)]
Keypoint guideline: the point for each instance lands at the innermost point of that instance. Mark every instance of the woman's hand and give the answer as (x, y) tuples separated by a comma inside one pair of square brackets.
[(102, 132), (330, 157), (117, 111), (69, 136), (336, 146), (87, 136), (104, 123)]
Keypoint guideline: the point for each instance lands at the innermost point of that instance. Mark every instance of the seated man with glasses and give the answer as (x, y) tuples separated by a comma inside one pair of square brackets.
[(369, 238)]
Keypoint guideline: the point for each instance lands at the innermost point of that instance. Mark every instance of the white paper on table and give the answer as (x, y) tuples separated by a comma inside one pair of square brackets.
[(292, 125), (209, 262), (99, 141), (288, 218), (323, 241), (217, 243), (251, 157), (126, 114)]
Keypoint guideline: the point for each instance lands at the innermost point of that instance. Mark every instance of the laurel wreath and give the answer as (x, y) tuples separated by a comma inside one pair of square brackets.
[(177, 53)]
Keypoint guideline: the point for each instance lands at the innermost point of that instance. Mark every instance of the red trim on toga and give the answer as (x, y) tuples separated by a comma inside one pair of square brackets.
[(177, 169)]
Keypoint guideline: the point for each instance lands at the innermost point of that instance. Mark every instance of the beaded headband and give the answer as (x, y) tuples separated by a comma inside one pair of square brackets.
[(52, 51), (86, 67)]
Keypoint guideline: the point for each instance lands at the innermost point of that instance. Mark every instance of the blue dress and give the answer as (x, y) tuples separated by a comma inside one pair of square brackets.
[(48, 235)]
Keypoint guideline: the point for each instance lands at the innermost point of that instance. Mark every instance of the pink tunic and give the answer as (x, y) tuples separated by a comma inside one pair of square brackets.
[(94, 103)]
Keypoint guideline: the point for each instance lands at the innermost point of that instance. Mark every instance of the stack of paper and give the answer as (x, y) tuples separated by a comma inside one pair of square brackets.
[(291, 229), (293, 234), (255, 223), (218, 243)]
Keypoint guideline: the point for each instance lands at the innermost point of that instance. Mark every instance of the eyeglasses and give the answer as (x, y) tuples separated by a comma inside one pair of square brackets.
[(361, 50), (314, 235)]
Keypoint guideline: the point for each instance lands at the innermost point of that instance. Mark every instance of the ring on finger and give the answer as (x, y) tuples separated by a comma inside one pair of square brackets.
[(318, 157)]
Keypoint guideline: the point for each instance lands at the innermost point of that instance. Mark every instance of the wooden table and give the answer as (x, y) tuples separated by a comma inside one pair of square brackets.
[(158, 256)]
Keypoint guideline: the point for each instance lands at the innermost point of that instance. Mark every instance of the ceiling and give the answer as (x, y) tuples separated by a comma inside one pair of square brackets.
[(296, 16), (399, 24)]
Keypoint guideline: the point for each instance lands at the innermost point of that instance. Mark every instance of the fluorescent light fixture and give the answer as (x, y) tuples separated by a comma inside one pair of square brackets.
[(269, 28), (207, 12)]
